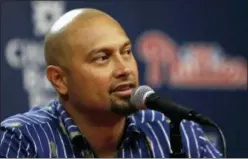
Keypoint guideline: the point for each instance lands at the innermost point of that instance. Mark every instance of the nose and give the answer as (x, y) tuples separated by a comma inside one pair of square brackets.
[(122, 69)]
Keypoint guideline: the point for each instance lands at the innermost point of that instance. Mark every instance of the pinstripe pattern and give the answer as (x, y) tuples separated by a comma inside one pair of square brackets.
[(48, 131)]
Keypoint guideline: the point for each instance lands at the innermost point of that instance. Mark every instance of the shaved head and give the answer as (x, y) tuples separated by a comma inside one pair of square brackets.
[(57, 41), (89, 55)]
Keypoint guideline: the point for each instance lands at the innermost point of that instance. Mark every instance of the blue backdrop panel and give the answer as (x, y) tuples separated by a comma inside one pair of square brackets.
[(194, 52)]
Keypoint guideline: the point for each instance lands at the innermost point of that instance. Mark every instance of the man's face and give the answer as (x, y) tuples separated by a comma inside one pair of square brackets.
[(103, 69)]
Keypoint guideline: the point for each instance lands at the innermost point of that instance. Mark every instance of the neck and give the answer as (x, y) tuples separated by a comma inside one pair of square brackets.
[(102, 130)]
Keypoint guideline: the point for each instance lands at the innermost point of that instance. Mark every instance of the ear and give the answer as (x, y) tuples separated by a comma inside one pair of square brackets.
[(57, 77)]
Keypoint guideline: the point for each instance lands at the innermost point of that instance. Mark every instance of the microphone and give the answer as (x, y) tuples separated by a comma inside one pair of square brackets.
[(144, 97)]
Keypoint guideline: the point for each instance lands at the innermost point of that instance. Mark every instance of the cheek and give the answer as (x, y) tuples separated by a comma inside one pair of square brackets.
[(98, 90), (135, 69), (91, 88), (98, 81)]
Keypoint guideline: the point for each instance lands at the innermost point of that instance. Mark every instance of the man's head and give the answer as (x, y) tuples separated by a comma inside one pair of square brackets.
[(90, 62)]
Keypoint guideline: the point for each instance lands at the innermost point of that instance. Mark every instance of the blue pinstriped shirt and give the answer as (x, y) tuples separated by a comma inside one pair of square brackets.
[(48, 131)]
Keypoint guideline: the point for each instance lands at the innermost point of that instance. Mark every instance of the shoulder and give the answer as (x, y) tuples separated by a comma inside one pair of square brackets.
[(157, 120), (31, 123), (27, 128), (35, 116), (194, 134), (149, 116)]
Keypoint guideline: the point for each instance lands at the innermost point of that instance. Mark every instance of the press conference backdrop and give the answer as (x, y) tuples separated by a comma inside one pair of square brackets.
[(194, 52)]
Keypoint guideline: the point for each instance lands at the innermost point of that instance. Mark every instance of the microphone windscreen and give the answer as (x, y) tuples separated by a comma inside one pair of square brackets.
[(139, 95)]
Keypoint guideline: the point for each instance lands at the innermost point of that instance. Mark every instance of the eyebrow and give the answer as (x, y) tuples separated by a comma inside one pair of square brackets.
[(128, 42)]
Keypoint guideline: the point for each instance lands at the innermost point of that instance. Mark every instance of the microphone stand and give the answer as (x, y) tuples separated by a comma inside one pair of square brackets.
[(176, 142), (178, 115), (175, 139)]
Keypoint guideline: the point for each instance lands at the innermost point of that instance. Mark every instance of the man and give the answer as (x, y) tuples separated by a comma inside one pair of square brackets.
[(91, 66)]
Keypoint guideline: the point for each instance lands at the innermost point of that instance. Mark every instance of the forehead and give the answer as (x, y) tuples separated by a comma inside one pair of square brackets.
[(97, 33)]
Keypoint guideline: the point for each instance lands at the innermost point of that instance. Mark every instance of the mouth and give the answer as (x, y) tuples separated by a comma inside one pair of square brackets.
[(124, 89)]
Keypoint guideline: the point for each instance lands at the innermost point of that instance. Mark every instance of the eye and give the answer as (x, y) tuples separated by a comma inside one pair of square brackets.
[(101, 58), (127, 52)]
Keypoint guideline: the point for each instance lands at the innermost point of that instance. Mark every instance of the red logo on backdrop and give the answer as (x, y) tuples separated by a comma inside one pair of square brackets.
[(192, 65)]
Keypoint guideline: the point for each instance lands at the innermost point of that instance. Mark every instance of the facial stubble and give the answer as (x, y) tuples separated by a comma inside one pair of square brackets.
[(122, 106)]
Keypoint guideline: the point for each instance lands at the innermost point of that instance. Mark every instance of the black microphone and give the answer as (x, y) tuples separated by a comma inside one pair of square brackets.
[(144, 97)]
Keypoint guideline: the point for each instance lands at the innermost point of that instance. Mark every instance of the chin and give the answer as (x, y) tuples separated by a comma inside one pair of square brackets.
[(122, 107)]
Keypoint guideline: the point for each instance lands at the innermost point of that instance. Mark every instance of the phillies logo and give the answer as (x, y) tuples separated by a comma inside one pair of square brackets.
[(192, 65)]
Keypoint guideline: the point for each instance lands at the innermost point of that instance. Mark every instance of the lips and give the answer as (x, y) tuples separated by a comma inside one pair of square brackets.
[(124, 89)]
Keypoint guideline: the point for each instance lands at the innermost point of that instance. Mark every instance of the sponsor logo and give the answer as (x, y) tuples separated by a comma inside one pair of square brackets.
[(193, 65)]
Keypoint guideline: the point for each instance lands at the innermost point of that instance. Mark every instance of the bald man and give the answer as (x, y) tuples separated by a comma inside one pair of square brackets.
[(91, 66)]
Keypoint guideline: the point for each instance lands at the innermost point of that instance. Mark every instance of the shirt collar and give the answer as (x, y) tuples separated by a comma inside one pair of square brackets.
[(132, 126), (71, 129), (66, 123)]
